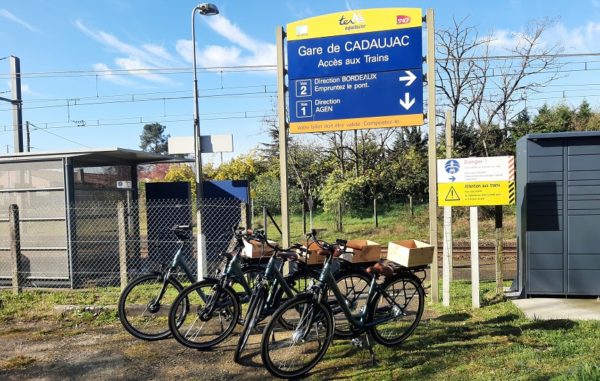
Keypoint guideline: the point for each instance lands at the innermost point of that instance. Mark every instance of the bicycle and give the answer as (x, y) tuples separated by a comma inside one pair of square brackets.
[(145, 302), (390, 315), (353, 280), (206, 312), (272, 287)]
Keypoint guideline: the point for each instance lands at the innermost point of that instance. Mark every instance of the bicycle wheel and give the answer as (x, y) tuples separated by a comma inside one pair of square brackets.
[(400, 306), (204, 314), (252, 274), (299, 281), (292, 352), (253, 316), (354, 285), (142, 311)]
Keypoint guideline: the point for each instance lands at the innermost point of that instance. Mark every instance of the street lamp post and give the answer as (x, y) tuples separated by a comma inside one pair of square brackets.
[(205, 9)]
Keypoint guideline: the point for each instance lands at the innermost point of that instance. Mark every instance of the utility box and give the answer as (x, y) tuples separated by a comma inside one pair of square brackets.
[(558, 214)]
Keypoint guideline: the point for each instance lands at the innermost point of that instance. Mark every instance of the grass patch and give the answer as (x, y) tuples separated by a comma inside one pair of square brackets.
[(495, 342), (16, 362), (39, 305), (395, 222)]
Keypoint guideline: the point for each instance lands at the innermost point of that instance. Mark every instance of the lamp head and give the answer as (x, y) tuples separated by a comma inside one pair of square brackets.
[(208, 9)]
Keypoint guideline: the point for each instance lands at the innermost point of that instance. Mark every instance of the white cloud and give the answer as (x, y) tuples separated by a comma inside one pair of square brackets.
[(7, 15), (108, 74), (140, 68), (158, 51), (184, 48), (300, 12), (581, 39), (25, 90), (136, 61), (245, 51)]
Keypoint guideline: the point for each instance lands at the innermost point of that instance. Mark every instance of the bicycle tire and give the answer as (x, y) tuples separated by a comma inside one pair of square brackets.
[(403, 301), (354, 284), (299, 281), (147, 326), (307, 310), (189, 328), (253, 316), (251, 275)]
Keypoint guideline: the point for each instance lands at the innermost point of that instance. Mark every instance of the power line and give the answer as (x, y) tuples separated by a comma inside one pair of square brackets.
[(58, 136), (508, 57), (190, 119), (74, 101), (130, 95), (251, 68)]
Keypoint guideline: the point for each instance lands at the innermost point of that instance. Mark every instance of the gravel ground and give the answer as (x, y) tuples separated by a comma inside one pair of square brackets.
[(50, 351)]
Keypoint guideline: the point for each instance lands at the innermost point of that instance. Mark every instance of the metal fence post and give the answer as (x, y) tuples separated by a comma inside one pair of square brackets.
[(244, 215), (265, 220), (122, 223), (15, 247)]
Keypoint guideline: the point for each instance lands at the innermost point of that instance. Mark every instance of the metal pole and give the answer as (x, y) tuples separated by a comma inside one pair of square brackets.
[(15, 247), (283, 138), (447, 236), (202, 265), (433, 229), (28, 137), (474, 257), (15, 69)]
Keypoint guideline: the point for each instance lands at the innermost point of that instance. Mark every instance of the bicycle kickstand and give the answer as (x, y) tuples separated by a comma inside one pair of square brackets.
[(370, 346)]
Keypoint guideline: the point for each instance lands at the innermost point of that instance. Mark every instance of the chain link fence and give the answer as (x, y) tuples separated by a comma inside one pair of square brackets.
[(105, 243)]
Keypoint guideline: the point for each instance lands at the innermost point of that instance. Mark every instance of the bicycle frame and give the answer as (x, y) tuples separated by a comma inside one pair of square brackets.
[(357, 321), (233, 269), (273, 270), (178, 261)]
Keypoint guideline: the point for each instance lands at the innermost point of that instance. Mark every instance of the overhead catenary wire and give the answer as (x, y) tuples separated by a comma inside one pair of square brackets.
[(264, 67)]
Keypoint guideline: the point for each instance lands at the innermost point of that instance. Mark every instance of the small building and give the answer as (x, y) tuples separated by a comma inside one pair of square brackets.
[(558, 214), (56, 234)]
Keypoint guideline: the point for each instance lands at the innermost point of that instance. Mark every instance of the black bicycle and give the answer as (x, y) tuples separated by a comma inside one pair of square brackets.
[(205, 313), (271, 290), (392, 312), (145, 302)]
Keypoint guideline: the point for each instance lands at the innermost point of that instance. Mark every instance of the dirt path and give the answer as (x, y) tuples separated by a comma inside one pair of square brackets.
[(42, 351)]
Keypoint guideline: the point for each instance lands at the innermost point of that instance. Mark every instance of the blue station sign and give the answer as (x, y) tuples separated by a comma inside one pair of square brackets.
[(356, 70)]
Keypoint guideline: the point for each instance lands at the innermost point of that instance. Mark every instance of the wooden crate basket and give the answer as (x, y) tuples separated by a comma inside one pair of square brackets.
[(410, 253), (256, 249), (364, 251)]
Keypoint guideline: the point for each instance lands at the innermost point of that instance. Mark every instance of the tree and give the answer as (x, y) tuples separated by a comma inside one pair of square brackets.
[(243, 167), (182, 172), (153, 138)]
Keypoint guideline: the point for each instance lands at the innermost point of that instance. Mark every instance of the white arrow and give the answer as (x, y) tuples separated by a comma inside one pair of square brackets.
[(409, 78), (407, 102)]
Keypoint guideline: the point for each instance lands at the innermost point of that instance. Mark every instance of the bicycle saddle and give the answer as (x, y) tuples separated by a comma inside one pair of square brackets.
[(288, 255), (382, 268)]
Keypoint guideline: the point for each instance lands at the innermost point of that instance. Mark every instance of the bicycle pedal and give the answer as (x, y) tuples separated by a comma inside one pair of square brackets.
[(358, 342)]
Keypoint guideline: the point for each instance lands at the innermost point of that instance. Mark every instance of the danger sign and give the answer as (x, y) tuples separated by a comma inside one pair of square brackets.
[(476, 181)]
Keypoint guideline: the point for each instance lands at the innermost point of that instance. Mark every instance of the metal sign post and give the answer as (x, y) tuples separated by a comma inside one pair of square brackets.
[(433, 228), (283, 139), (474, 257), (447, 236)]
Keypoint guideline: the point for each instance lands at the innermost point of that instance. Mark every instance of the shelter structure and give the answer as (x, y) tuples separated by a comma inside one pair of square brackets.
[(57, 235)]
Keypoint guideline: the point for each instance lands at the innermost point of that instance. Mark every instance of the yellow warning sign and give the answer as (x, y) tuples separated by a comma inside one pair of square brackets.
[(476, 193), (452, 195)]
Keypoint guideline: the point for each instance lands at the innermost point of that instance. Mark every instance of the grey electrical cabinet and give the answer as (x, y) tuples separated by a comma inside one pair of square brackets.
[(558, 213)]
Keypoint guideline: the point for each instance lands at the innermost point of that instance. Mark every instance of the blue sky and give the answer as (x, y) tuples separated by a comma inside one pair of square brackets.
[(84, 63)]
